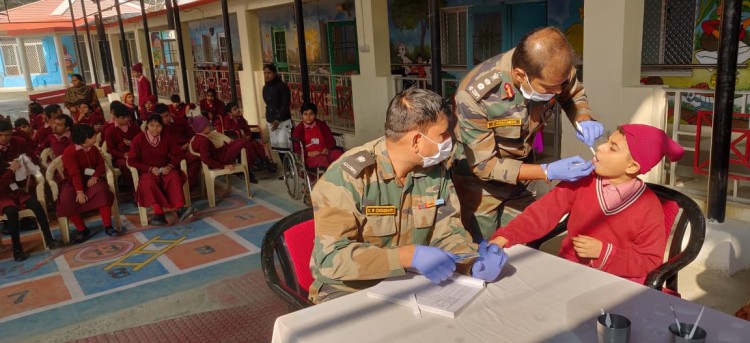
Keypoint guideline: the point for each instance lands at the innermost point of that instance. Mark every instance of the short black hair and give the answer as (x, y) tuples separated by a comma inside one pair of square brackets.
[(212, 91), (175, 98), (77, 76), (51, 109), (114, 104), (20, 122), (83, 102), (308, 106), (161, 108), (231, 105), (5, 125), (541, 47), (35, 108), (271, 67), (155, 117), (121, 111), (414, 109), (66, 118), (81, 132)]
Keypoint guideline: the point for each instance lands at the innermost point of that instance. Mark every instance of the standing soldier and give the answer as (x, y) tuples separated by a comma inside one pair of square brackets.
[(502, 106), (390, 205)]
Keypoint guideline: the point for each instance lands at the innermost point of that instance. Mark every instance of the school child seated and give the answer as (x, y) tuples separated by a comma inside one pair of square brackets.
[(157, 158), (179, 109), (216, 158), (119, 138), (616, 224), (22, 129), (85, 115), (148, 108), (36, 117), (235, 126), (60, 137), (320, 146), (211, 107), (128, 99), (84, 187), (50, 112), (181, 133), (12, 196)]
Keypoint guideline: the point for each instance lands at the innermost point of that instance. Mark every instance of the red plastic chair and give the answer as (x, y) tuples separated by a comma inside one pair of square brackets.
[(290, 243)]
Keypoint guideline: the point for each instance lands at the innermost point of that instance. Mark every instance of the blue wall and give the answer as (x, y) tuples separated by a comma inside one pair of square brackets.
[(52, 77)]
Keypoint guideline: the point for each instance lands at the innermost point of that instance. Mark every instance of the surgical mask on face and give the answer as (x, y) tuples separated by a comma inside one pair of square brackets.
[(534, 96), (444, 150)]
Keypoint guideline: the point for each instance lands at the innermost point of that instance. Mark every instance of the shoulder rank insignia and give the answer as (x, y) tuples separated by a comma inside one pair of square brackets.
[(482, 85), (355, 163), (509, 93)]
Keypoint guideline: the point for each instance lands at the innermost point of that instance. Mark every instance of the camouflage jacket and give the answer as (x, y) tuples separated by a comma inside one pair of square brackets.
[(362, 215), (496, 125)]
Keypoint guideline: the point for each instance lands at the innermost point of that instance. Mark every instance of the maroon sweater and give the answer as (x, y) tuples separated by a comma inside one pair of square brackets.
[(75, 163), (16, 147), (115, 138), (633, 237), (180, 131), (203, 146), (143, 156), (57, 145)]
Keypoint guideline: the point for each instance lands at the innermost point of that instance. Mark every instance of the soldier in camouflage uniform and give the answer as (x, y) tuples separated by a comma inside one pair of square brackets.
[(501, 105), (390, 205)]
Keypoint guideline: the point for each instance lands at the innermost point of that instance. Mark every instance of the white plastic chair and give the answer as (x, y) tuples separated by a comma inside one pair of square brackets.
[(45, 157), (210, 175), (29, 213), (143, 211)]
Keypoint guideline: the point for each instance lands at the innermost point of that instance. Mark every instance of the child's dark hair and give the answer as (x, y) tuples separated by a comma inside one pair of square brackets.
[(51, 109), (83, 102), (271, 67), (231, 105), (212, 91), (114, 104), (155, 117), (121, 111), (175, 98), (20, 122), (308, 106), (161, 108), (66, 118), (5, 125), (35, 108), (81, 132)]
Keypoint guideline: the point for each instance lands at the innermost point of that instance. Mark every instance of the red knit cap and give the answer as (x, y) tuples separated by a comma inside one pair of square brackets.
[(138, 67), (648, 145)]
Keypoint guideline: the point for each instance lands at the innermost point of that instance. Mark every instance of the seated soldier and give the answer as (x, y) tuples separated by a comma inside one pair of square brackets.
[(177, 108), (181, 133), (320, 146), (119, 138), (624, 235), (22, 130), (235, 126), (84, 187), (224, 157), (157, 158), (60, 137), (211, 107), (12, 196)]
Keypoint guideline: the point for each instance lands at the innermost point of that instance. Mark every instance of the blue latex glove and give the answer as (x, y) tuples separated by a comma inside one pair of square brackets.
[(490, 262), (569, 169), (434, 263), (589, 131)]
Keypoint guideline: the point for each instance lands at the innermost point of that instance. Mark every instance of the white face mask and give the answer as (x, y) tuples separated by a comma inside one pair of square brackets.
[(534, 96), (444, 150)]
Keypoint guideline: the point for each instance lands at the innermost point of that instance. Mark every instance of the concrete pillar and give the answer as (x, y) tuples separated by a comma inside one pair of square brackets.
[(117, 64), (61, 61), (24, 61), (373, 88), (90, 57), (189, 65), (251, 51)]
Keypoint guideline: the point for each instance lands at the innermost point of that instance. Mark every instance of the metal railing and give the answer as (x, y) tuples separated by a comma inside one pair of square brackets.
[(217, 80), (404, 82), (167, 82), (332, 94), (688, 122)]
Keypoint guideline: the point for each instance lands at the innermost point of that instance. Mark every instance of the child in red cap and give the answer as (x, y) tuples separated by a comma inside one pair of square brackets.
[(616, 224)]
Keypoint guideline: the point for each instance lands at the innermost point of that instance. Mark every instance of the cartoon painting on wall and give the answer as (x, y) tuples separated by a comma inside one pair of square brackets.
[(70, 55), (410, 32), (568, 16), (157, 55), (707, 32), (208, 40)]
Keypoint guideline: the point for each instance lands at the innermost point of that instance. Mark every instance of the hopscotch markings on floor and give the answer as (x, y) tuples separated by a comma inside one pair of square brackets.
[(76, 292), (154, 253), (252, 249)]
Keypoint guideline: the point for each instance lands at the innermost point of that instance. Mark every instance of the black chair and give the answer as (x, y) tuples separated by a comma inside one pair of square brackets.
[(679, 209), (289, 242)]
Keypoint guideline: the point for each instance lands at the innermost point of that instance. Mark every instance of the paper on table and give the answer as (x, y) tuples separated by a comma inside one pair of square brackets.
[(446, 299), (27, 168)]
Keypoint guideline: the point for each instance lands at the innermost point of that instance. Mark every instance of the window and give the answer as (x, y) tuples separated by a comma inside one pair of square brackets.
[(343, 48), (208, 51), (453, 36), (487, 35), (35, 56), (223, 48), (668, 28), (10, 57), (279, 48)]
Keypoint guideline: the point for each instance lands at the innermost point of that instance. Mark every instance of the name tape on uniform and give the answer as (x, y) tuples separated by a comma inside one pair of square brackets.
[(504, 122), (380, 210)]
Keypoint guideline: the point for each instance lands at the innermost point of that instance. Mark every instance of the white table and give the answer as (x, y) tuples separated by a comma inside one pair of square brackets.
[(539, 297)]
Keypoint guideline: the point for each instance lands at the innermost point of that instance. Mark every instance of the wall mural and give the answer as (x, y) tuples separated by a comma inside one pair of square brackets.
[(316, 15), (204, 39)]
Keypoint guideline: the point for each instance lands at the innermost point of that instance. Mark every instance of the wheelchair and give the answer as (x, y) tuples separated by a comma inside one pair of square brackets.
[(298, 178)]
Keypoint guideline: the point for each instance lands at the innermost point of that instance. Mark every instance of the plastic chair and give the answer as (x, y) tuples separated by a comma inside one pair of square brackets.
[(679, 210), (290, 242), (57, 167), (29, 213), (142, 211), (210, 175), (45, 157)]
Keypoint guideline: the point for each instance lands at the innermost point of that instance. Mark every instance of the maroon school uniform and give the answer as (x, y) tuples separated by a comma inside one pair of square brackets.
[(163, 190), (216, 107), (179, 110), (217, 158), (38, 121), (57, 143), (117, 147), (181, 133), (12, 196), (77, 163), (90, 119), (23, 135), (144, 92), (41, 134)]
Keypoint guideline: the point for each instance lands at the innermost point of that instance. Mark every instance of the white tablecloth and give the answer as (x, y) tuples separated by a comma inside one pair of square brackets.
[(539, 297)]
